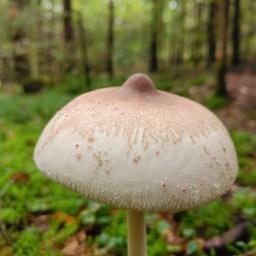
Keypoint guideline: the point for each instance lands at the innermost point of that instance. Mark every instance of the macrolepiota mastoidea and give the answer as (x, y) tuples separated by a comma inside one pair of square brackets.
[(138, 148)]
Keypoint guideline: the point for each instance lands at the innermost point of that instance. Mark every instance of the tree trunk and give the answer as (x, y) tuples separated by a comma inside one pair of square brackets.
[(20, 59), (222, 63), (181, 34), (249, 47), (33, 61), (156, 18), (56, 67), (153, 52), (211, 32), (68, 36), (35, 37), (198, 34), (110, 39), (84, 50), (236, 34), (67, 21)]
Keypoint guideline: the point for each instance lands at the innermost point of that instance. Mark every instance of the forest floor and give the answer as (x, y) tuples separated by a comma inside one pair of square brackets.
[(40, 217)]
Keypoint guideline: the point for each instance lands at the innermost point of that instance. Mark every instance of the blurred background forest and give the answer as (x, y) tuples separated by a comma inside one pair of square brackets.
[(53, 50)]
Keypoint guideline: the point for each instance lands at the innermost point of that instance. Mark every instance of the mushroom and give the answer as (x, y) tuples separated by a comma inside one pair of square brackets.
[(138, 148)]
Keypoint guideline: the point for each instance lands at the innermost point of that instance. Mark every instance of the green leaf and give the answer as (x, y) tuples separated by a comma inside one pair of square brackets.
[(191, 247)]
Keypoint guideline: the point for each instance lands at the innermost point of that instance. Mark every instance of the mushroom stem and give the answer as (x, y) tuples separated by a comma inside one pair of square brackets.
[(136, 234)]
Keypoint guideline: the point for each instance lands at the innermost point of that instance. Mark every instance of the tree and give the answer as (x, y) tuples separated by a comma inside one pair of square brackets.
[(211, 32), (84, 49), (153, 43), (236, 34), (250, 30), (197, 51), (20, 58), (222, 61), (68, 34), (157, 12), (178, 40), (67, 20), (110, 39), (35, 35)]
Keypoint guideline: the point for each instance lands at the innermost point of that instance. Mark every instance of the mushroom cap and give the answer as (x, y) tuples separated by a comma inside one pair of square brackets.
[(139, 148)]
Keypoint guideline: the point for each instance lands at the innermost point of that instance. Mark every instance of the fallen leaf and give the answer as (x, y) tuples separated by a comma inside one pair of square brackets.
[(40, 221), (20, 177), (75, 245), (61, 216)]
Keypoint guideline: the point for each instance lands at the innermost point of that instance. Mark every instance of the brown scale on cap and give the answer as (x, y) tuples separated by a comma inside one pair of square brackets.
[(136, 159), (91, 139)]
